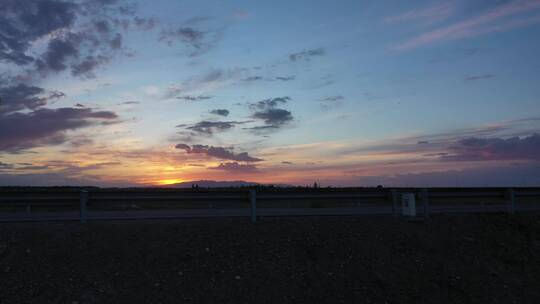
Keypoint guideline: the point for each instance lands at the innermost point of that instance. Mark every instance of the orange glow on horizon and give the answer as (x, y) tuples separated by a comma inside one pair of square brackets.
[(165, 182)]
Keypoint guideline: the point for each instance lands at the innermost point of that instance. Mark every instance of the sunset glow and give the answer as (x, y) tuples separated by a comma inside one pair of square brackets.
[(347, 93)]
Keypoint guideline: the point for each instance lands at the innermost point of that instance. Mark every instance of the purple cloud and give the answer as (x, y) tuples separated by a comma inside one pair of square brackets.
[(42, 127), (481, 149), (217, 152)]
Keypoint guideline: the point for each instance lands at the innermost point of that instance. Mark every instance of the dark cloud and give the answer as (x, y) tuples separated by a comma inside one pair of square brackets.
[(194, 98), (210, 127), (81, 35), (4, 166), (498, 176), (116, 42), (185, 34), (41, 127), (197, 40), (217, 152), (333, 98), (306, 55), (144, 24), (274, 117), (235, 167), (267, 110), (262, 129), (129, 103), (18, 97), (88, 65), (479, 77), (286, 78), (481, 149), (24, 21), (253, 78), (269, 103), (221, 112), (58, 52)]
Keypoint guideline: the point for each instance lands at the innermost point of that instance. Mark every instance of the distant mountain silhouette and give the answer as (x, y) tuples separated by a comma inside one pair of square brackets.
[(213, 184)]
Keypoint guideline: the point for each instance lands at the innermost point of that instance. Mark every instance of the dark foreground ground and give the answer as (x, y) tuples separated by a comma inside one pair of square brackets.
[(448, 259)]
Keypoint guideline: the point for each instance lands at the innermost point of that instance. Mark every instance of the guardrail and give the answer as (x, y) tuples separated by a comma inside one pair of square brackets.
[(99, 204)]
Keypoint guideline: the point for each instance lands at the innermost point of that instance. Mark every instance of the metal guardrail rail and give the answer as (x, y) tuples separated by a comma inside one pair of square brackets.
[(95, 204)]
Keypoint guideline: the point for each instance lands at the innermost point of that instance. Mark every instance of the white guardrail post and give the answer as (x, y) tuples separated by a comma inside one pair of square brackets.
[(83, 198), (253, 202), (511, 201)]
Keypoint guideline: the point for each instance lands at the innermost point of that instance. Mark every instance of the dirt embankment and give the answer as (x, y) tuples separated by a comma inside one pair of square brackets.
[(448, 259)]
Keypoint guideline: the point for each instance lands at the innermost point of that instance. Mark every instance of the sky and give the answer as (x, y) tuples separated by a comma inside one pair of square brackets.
[(342, 93)]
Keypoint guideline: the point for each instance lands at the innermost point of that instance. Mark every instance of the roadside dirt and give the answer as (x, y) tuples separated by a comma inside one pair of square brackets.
[(447, 259)]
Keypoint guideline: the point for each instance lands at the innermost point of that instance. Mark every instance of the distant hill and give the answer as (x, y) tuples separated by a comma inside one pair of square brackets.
[(213, 184)]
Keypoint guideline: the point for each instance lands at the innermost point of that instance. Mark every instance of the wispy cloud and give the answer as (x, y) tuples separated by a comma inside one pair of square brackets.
[(433, 13), (306, 55), (494, 20), (478, 77), (235, 167)]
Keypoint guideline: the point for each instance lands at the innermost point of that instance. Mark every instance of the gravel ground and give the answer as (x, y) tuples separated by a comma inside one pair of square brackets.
[(447, 259)]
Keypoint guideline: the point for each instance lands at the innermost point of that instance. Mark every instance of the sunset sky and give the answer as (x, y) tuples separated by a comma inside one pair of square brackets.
[(344, 93)]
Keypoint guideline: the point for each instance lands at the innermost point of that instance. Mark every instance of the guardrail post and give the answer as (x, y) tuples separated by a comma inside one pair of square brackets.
[(394, 195), (253, 202), (83, 198), (512, 201), (425, 202)]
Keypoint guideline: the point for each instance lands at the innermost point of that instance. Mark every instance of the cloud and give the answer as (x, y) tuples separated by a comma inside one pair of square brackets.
[(518, 175), (43, 126), (333, 98), (193, 98), (199, 34), (478, 77), (210, 127), (144, 24), (286, 78), (209, 81), (332, 102), (18, 97), (274, 117), (79, 36), (236, 167), (269, 103), (267, 110), (217, 152), (484, 149), (494, 20), (306, 55), (26, 21), (221, 112), (129, 103), (433, 13), (253, 78)]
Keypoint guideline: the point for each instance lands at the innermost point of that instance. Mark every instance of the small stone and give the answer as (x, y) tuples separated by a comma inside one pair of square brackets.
[(180, 273), (207, 249), (237, 277)]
